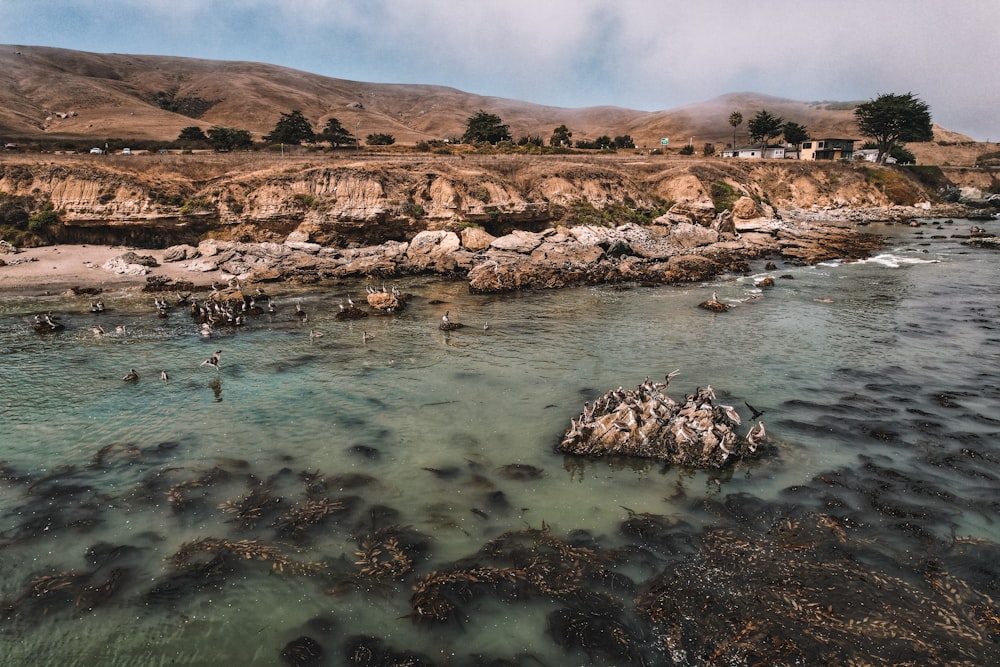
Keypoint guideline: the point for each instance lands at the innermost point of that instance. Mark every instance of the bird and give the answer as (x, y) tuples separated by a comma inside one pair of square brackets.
[(444, 318), (756, 436), (300, 312), (164, 376), (131, 376), (755, 412), (350, 302), (315, 333), (98, 330), (486, 326), (120, 329), (365, 337), (213, 360)]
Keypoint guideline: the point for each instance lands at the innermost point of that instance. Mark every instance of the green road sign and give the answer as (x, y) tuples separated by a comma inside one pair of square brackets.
[(664, 141)]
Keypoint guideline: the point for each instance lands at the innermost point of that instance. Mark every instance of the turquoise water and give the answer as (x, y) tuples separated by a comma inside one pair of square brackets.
[(884, 358)]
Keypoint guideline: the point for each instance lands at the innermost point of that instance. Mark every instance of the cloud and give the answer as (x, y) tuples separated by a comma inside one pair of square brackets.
[(633, 53)]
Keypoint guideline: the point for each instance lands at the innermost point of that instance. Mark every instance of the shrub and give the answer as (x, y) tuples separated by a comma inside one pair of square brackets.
[(43, 219), (687, 150), (723, 195)]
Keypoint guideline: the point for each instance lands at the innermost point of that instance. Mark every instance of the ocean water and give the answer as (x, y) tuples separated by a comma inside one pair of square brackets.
[(893, 361)]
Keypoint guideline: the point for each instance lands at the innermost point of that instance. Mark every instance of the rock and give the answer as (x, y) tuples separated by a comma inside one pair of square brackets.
[(724, 223), (647, 423), (133, 258), (385, 302), (202, 265), (517, 241), (476, 238), (432, 251), (714, 304), (297, 236), (746, 208), (688, 235), (178, 253), (302, 246), (121, 267), (7, 248), (698, 212)]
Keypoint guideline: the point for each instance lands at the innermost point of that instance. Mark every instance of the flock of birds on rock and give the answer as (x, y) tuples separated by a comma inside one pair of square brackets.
[(647, 423)]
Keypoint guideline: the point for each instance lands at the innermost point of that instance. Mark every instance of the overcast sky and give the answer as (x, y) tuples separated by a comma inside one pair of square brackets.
[(638, 54)]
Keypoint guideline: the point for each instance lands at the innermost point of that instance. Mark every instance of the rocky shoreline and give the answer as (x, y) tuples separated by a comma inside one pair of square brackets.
[(669, 251), (673, 249)]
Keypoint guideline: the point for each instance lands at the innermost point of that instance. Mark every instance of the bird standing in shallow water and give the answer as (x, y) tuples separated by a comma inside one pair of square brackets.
[(164, 376)]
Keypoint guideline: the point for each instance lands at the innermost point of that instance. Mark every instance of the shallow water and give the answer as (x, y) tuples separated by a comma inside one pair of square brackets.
[(892, 360)]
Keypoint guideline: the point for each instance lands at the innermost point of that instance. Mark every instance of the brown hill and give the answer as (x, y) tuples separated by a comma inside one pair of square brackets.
[(74, 95)]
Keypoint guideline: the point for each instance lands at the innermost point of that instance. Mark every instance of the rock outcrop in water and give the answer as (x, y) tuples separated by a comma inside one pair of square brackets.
[(647, 423)]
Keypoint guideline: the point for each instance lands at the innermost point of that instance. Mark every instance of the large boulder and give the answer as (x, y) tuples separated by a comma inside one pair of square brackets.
[(476, 238), (697, 211), (688, 235), (433, 251), (746, 208)]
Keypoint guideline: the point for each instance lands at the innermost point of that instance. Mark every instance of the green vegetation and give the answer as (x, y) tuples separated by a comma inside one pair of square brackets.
[(192, 107), (583, 212), (561, 136), (893, 184), (23, 221), (305, 200), (229, 139), (335, 133), (483, 127), (687, 149), (890, 119), (192, 134), (292, 128), (195, 206), (795, 133), (763, 127), (380, 139), (735, 119), (723, 195)]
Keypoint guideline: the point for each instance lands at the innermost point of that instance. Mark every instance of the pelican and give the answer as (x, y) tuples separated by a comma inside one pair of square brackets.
[(164, 376), (300, 312), (486, 326), (131, 376), (213, 360), (315, 333), (731, 413), (444, 318), (756, 436), (365, 337), (120, 329), (350, 302), (98, 331)]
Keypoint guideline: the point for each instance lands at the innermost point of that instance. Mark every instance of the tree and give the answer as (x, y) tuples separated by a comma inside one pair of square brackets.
[(486, 127), (624, 141), (229, 139), (192, 133), (763, 127), (336, 134), (291, 128), (561, 137), (735, 119), (379, 139), (889, 119), (795, 133)]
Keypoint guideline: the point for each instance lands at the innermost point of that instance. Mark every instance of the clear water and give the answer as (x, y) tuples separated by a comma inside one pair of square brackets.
[(883, 358)]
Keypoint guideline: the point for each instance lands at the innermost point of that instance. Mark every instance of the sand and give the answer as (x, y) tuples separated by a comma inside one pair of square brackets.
[(60, 268)]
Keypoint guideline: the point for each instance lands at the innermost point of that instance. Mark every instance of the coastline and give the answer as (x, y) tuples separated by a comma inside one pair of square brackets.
[(54, 269)]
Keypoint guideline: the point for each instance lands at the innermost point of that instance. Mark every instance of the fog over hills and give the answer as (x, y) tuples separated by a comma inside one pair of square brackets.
[(59, 93)]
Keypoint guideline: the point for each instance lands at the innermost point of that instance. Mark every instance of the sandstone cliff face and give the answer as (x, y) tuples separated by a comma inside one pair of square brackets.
[(340, 203)]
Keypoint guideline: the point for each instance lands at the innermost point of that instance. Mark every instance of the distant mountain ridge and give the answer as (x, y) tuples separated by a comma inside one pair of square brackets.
[(48, 92)]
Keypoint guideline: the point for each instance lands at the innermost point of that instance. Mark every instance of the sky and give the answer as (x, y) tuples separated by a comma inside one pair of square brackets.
[(649, 55)]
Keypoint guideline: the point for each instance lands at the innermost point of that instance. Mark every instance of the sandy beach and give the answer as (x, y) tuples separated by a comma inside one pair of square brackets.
[(58, 268)]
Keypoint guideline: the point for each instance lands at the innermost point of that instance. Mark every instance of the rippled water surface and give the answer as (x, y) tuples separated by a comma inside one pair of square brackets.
[(887, 369)]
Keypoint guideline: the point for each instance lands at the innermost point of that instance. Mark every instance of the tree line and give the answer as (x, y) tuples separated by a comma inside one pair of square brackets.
[(889, 121)]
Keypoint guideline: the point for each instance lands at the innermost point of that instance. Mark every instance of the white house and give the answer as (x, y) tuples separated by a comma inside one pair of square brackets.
[(871, 155), (754, 152)]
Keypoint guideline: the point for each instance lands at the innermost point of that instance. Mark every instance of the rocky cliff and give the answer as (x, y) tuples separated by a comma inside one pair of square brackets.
[(152, 200), (505, 222)]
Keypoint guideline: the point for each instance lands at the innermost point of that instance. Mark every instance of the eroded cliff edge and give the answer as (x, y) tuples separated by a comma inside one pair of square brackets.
[(504, 222)]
